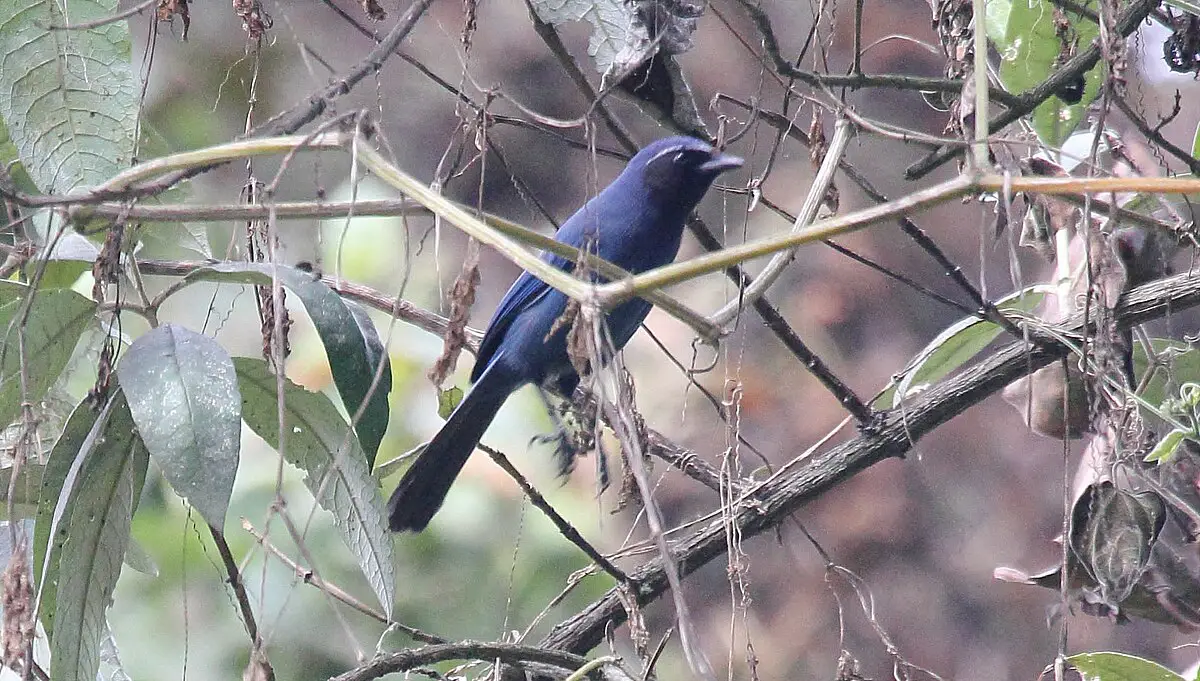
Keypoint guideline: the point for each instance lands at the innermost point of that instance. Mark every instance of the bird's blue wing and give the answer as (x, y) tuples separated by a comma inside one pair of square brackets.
[(526, 291)]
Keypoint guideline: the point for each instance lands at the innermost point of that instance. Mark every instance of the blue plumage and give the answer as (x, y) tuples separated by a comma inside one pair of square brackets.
[(636, 223)]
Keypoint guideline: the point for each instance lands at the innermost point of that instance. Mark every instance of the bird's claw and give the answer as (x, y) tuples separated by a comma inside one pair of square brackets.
[(564, 449)]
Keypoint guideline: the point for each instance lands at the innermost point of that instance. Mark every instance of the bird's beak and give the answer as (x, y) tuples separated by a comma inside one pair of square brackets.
[(720, 163)]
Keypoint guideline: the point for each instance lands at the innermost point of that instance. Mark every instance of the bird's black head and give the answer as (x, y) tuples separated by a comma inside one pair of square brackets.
[(680, 169)]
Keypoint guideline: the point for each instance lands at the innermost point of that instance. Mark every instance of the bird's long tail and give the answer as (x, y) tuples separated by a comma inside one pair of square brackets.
[(427, 481)]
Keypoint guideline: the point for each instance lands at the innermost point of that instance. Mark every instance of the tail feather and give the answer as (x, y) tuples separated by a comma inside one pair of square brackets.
[(427, 481)]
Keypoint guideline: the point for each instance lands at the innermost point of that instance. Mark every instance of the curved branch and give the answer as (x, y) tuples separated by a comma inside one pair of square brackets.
[(510, 653)]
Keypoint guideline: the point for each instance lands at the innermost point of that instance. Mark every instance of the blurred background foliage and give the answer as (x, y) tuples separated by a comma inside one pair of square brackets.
[(924, 534)]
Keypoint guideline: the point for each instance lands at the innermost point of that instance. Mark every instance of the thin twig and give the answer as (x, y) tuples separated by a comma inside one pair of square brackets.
[(986, 309), (775, 322), (1155, 136), (201, 212), (103, 21), (238, 586), (610, 294), (854, 81), (550, 37), (308, 576), (564, 528), (401, 309), (808, 212)]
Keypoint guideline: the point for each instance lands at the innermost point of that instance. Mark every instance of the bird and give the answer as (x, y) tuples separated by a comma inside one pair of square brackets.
[(636, 223)]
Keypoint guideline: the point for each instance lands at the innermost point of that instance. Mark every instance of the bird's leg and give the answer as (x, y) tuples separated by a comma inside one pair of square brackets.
[(573, 436), (564, 445)]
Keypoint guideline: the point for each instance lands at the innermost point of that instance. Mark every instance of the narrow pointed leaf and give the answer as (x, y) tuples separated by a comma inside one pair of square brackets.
[(957, 344), (68, 454), (320, 443), (183, 394), (351, 343), (95, 523), (1166, 447)]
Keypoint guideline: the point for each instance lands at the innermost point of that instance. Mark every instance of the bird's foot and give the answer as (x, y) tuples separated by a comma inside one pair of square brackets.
[(565, 448), (570, 444)]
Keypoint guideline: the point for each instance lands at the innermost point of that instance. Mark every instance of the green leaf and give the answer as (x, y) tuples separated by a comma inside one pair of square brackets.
[(172, 237), (1024, 34), (76, 441), (1107, 666), (394, 464), (56, 320), (71, 97), (10, 159), (1166, 447), (96, 520), (957, 344), (320, 443), (371, 430), (182, 391), (1182, 366), (29, 482), (448, 401), (71, 256), (138, 558), (354, 350)]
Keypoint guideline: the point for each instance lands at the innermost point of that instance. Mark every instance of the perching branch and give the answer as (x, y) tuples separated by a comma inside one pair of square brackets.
[(509, 653)]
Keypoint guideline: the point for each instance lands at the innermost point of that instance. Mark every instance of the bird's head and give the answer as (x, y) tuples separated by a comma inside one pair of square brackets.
[(678, 170)]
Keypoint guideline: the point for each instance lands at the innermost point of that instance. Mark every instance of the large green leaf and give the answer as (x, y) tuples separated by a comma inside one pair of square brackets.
[(1109, 666), (86, 430), (56, 320), (320, 443), (94, 525), (71, 97), (353, 347), (183, 395), (1024, 34)]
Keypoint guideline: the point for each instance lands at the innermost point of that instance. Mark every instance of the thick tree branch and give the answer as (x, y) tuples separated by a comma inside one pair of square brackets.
[(899, 429)]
